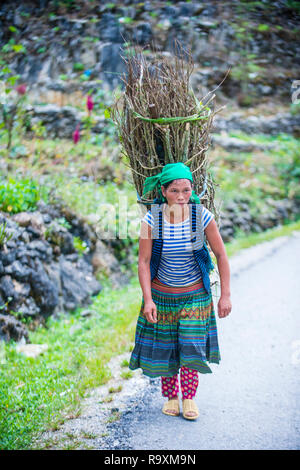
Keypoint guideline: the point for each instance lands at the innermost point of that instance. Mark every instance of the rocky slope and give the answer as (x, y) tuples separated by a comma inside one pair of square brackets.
[(258, 40), (41, 271)]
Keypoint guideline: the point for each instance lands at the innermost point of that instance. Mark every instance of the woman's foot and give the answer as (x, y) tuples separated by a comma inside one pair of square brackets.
[(171, 407), (190, 409)]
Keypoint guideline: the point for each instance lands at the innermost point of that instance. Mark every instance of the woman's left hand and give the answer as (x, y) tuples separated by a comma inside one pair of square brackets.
[(224, 306)]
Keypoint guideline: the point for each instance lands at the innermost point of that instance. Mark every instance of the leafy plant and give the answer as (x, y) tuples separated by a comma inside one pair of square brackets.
[(80, 245), (4, 236), (63, 222), (109, 6), (293, 5), (13, 100), (125, 20), (263, 27), (295, 108), (78, 67), (17, 196)]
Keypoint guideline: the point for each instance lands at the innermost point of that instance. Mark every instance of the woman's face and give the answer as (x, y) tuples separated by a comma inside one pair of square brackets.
[(178, 192)]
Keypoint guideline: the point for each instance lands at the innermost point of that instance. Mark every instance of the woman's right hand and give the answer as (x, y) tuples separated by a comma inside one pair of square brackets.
[(150, 311)]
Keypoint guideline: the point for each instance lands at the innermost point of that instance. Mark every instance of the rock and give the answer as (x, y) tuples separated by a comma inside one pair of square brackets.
[(86, 313), (44, 291), (77, 285), (112, 65), (12, 329), (8, 257), (22, 218), (43, 248), (143, 34), (31, 350), (28, 308), (111, 30), (170, 11), (40, 278), (61, 121), (7, 288), (35, 219), (59, 235), (190, 9), (103, 261), (233, 144), (271, 125), (17, 271), (206, 24)]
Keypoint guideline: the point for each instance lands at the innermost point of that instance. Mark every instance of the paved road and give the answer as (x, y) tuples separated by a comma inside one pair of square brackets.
[(251, 400)]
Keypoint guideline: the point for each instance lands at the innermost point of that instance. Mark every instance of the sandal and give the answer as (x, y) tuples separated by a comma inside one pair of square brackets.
[(172, 405), (187, 406)]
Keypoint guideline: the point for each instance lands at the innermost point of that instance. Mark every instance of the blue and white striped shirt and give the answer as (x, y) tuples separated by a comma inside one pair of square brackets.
[(177, 265)]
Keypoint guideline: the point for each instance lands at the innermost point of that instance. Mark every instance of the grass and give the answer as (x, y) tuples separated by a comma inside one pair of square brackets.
[(115, 389), (39, 394), (246, 241), (126, 375), (256, 176)]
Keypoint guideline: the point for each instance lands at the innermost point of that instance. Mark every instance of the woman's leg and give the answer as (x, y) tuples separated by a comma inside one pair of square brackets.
[(170, 389), (170, 386), (188, 382), (189, 385)]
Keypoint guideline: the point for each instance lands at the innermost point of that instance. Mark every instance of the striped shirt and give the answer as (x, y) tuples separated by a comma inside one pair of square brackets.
[(177, 265)]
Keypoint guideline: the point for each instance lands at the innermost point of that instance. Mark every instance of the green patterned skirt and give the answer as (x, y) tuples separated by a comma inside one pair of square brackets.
[(184, 335)]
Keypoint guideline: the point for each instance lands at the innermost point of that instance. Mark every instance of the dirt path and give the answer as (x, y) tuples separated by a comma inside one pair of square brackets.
[(251, 400)]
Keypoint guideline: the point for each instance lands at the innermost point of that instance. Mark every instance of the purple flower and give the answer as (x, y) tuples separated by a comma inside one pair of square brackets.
[(21, 89), (89, 103), (76, 134)]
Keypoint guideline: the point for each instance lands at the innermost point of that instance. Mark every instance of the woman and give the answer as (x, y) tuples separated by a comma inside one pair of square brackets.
[(176, 329)]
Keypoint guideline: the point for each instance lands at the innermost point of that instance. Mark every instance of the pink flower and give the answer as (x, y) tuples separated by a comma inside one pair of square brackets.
[(21, 89), (89, 103), (76, 134)]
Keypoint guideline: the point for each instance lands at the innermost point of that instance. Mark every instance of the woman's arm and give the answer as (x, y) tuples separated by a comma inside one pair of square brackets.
[(145, 251), (217, 245)]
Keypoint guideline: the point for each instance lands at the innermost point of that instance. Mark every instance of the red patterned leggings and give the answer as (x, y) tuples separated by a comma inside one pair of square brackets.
[(188, 384)]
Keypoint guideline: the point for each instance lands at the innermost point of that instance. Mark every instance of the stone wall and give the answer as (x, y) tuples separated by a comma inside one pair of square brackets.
[(41, 271)]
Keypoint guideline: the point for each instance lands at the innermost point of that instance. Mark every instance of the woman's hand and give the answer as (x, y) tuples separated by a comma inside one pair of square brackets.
[(150, 311), (224, 306)]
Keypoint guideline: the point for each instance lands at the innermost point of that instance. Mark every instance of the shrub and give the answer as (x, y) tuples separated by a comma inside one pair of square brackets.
[(17, 196)]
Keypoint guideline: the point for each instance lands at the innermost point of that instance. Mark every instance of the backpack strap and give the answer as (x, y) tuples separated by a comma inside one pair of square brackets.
[(158, 228), (196, 225)]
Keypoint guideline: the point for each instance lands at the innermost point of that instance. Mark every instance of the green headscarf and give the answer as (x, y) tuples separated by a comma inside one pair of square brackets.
[(171, 171)]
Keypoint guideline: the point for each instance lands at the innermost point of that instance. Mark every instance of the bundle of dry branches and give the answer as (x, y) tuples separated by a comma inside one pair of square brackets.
[(160, 121)]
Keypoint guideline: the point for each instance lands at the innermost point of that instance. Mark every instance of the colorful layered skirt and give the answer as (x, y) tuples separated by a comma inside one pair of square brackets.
[(184, 335)]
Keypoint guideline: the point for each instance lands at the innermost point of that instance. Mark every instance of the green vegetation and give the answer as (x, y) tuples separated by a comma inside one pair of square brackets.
[(258, 176), (78, 66), (4, 236), (246, 241), (244, 6), (126, 375), (18, 196), (294, 5), (38, 394), (80, 245)]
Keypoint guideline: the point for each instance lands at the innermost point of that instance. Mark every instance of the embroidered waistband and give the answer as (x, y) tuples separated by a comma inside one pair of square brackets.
[(160, 286)]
